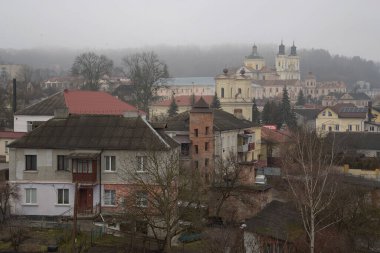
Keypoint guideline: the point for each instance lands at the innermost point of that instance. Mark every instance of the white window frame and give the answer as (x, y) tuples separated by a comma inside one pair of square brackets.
[(65, 192), (29, 200), (109, 198), (110, 160), (141, 163), (350, 128), (142, 199), (29, 126)]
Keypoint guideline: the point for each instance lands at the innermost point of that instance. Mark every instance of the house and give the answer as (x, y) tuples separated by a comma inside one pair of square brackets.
[(341, 118), (91, 150), (76, 102), (359, 99), (7, 137), (306, 117), (273, 229), (184, 103), (271, 141)]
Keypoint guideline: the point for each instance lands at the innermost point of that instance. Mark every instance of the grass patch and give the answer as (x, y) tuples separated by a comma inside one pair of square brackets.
[(110, 240), (5, 245)]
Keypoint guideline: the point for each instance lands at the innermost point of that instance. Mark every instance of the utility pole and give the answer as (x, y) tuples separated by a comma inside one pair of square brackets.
[(75, 218)]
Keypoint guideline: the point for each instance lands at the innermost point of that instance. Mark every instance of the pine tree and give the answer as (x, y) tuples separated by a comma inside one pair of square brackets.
[(215, 102), (255, 113), (287, 112), (300, 98), (267, 113), (173, 109)]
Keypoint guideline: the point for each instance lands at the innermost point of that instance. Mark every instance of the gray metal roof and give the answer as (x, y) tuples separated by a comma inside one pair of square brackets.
[(96, 132)]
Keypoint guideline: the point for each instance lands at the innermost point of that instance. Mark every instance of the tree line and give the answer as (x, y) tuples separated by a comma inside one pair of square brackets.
[(201, 61)]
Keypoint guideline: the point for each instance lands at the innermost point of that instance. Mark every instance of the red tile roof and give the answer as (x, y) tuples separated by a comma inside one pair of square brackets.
[(276, 136), (11, 135), (184, 100), (95, 102)]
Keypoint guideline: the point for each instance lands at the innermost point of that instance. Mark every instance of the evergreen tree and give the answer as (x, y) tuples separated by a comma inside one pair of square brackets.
[(300, 98), (255, 113), (288, 116), (173, 109), (215, 102), (192, 99), (267, 116)]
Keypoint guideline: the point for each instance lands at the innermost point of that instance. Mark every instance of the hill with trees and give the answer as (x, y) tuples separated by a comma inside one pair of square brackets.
[(184, 61)]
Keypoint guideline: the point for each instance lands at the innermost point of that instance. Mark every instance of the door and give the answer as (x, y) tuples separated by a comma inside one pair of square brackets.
[(85, 200)]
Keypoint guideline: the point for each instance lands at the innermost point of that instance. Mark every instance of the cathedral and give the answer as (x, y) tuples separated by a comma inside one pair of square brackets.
[(237, 88)]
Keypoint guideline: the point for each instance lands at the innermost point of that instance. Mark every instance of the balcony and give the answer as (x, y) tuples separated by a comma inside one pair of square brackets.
[(242, 148), (84, 170)]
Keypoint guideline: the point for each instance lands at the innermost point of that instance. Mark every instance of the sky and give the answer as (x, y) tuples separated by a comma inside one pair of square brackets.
[(347, 27)]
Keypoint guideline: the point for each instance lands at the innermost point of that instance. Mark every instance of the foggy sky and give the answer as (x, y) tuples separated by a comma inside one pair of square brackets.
[(348, 27)]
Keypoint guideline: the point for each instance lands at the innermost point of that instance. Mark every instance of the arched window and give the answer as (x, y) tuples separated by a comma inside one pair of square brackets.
[(222, 93)]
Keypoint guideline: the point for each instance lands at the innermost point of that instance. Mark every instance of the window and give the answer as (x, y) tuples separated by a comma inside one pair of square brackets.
[(336, 127), (29, 126), (196, 132), (206, 130), (372, 128), (141, 163), (82, 166), (109, 197), (196, 149), (323, 113), (323, 127), (185, 147), (350, 128), (30, 196), (206, 162), (110, 163), (329, 113), (6, 148), (206, 146), (62, 162), (141, 199), (357, 127), (30, 162), (142, 227), (222, 93), (239, 90), (257, 66), (63, 196), (196, 164)]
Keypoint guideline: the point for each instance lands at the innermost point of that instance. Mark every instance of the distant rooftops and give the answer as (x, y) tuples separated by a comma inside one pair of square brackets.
[(184, 100), (11, 135), (79, 102), (190, 81)]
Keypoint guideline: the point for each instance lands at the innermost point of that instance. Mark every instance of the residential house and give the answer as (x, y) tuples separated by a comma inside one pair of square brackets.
[(341, 118), (306, 117), (273, 229), (7, 137), (184, 103), (75, 102), (358, 99), (271, 141), (94, 151)]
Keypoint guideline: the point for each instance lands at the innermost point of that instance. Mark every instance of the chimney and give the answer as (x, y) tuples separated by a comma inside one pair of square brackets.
[(14, 99), (61, 113), (131, 114)]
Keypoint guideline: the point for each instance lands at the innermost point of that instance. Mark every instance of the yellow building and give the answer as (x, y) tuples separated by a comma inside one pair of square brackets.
[(341, 118)]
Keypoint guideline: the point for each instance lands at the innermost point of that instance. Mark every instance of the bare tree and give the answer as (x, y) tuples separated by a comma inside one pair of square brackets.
[(147, 74), (163, 194), (308, 161), (25, 74), (92, 67), (8, 192), (228, 174)]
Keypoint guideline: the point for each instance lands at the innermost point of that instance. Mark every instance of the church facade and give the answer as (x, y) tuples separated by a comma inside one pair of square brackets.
[(254, 79)]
